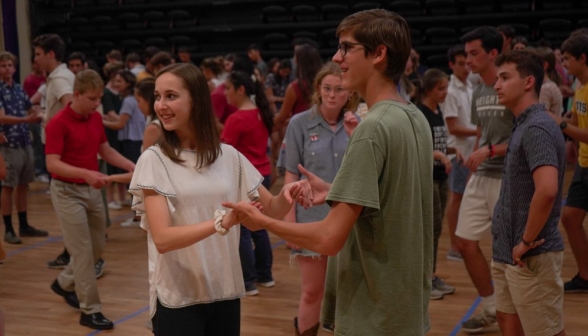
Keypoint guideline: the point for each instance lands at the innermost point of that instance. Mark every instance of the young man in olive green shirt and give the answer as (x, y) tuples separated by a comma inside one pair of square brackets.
[(381, 221)]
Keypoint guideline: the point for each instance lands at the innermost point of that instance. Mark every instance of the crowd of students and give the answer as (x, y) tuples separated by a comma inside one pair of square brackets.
[(484, 146)]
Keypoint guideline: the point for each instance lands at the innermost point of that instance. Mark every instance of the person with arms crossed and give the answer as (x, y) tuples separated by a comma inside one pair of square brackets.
[(75, 137), (16, 113), (430, 94), (380, 224), (527, 249), (462, 135), (494, 124)]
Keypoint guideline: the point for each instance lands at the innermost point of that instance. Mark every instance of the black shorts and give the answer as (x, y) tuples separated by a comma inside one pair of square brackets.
[(578, 192)]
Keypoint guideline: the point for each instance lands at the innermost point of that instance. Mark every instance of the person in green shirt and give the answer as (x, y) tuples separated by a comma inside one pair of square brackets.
[(380, 224)]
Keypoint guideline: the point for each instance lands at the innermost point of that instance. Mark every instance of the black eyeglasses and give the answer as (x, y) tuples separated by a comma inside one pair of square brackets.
[(344, 47)]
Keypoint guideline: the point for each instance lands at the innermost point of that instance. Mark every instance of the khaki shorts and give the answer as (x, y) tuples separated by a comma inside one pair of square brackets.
[(477, 207), (20, 165), (534, 292)]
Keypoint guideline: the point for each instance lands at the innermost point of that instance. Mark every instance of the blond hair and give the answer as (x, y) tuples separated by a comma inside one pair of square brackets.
[(8, 56), (332, 68), (87, 80), (376, 27)]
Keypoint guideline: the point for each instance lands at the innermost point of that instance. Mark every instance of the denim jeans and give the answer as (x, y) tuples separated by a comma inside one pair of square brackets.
[(256, 263)]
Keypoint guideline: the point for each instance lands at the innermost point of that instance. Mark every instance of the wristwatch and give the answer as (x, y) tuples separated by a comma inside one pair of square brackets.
[(563, 125), (531, 244)]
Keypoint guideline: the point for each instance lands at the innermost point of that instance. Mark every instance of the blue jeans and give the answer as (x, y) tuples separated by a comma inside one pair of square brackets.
[(256, 264)]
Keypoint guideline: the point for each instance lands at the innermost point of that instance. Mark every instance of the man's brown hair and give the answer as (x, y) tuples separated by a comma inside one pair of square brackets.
[(528, 63), (161, 58), (376, 27), (51, 42), (115, 55), (576, 45), (88, 80)]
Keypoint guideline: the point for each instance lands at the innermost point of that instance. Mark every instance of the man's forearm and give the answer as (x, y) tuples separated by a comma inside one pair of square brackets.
[(539, 211), (63, 169), (500, 149), (311, 236), (461, 131), (577, 133), (12, 120)]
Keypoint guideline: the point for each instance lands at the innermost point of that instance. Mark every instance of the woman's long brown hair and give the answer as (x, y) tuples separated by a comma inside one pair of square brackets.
[(204, 133)]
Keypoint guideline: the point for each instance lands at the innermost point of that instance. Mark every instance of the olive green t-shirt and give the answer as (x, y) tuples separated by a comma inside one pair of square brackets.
[(382, 278)]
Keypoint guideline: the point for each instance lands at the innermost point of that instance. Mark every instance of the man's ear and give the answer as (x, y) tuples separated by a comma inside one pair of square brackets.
[(493, 54), (582, 59), (530, 83), (380, 55)]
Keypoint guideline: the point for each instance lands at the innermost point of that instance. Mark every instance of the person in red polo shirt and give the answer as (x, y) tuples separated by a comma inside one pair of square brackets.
[(248, 130), (74, 138)]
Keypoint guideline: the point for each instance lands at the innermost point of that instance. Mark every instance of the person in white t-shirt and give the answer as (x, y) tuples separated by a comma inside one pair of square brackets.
[(49, 53), (462, 135), (178, 187)]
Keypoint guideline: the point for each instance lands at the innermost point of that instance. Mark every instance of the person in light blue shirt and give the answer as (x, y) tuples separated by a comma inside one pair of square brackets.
[(130, 122)]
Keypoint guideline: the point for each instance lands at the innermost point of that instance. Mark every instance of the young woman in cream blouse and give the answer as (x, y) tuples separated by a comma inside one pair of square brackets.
[(178, 187)]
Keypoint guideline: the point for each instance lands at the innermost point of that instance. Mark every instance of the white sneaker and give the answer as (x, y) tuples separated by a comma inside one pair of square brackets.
[(267, 284), (42, 178), (441, 286), (114, 205), (436, 294), (131, 222)]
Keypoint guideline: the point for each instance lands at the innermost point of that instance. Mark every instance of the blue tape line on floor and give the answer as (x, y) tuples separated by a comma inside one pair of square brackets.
[(466, 317), (278, 244), (34, 246), (128, 317)]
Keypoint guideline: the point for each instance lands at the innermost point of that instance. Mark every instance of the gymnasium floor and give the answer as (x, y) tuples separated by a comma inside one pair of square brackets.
[(31, 308)]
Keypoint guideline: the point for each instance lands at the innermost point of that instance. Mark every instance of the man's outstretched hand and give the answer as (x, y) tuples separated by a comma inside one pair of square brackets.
[(248, 213), (319, 188)]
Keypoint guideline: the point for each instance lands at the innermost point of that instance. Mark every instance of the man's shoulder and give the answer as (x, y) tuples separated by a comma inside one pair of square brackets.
[(542, 123), (388, 119), (62, 72), (483, 90), (581, 92)]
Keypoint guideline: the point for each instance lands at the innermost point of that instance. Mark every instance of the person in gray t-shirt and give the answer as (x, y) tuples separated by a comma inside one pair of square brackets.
[(494, 124)]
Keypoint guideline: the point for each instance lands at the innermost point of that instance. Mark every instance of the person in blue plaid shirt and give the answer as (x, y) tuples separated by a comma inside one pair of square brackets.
[(16, 113)]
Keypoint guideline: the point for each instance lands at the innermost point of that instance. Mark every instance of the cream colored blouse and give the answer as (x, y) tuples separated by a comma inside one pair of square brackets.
[(209, 270)]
